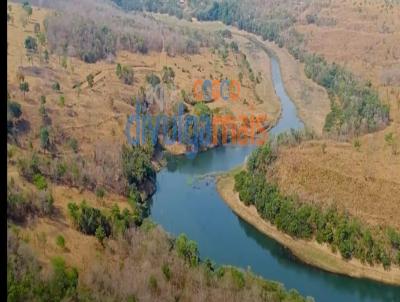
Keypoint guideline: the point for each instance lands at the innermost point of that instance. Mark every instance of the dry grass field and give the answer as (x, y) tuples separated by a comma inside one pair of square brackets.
[(362, 175)]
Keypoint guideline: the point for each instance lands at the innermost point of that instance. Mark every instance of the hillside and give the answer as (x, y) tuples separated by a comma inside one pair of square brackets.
[(76, 195)]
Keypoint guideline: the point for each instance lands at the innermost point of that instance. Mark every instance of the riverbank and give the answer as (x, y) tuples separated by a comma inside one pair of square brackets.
[(310, 252), (311, 100)]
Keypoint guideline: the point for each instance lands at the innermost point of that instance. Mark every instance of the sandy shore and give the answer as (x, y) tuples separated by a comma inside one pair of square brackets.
[(310, 252)]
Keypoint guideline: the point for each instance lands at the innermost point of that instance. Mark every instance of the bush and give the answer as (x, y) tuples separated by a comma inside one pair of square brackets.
[(44, 138), (153, 285), (168, 75), (88, 219), (100, 192), (30, 44), (14, 109), (73, 144), (187, 249), (56, 86), (42, 99), (166, 271), (13, 113), (62, 100), (40, 182), (118, 70), (238, 278), (201, 109), (152, 79), (100, 234), (127, 75), (60, 241), (45, 203), (90, 80)]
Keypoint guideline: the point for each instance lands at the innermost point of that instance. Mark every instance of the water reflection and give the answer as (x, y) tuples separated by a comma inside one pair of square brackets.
[(182, 204)]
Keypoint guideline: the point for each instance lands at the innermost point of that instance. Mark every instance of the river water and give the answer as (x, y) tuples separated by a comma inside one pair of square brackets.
[(187, 202)]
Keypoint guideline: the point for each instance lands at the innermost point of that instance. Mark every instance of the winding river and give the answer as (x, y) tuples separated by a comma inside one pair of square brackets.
[(187, 201)]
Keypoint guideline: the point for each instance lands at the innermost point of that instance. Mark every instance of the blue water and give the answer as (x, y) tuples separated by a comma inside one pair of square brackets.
[(187, 202)]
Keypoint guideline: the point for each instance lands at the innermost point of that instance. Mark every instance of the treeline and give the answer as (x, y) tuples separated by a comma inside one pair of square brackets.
[(355, 105), (308, 221), (170, 7)]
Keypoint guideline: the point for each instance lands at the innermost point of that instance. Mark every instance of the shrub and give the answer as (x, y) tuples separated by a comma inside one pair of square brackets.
[(153, 285), (201, 108), (60, 241), (24, 87), (238, 278), (88, 219), (118, 70), (100, 192), (62, 100), (56, 86), (40, 182), (168, 75), (100, 234), (46, 56), (152, 79), (73, 144), (30, 44), (127, 75), (166, 271), (14, 109), (44, 138), (45, 203), (187, 249), (90, 80)]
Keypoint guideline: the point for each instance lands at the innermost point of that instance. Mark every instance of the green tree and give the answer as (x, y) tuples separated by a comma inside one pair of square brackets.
[(152, 79), (100, 234), (24, 87), (56, 86), (44, 138), (90, 80), (118, 70), (187, 249), (27, 8), (46, 56), (168, 75), (127, 75), (30, 44)]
